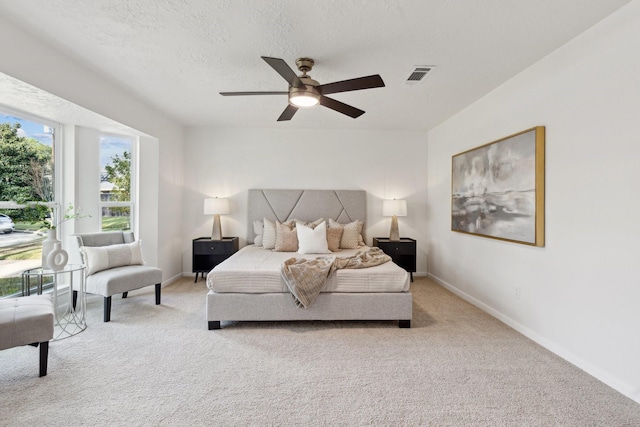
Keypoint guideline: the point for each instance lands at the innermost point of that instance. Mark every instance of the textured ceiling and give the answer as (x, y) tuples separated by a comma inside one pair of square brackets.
[(178, 54)]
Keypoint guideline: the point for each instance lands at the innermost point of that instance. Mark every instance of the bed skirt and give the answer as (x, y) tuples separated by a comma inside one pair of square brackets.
[(327, 306)]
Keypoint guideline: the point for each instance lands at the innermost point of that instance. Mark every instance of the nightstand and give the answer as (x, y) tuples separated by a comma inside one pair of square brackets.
[(402, 252), (208, 253)]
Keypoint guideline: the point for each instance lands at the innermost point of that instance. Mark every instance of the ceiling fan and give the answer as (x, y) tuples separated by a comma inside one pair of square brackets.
[(306, 92)]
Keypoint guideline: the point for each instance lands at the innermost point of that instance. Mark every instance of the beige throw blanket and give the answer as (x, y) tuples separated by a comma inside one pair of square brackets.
[(305, 278)]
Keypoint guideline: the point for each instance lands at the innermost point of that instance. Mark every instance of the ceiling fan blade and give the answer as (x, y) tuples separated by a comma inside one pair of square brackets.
[(287, 113), (341, 107), (252, 93), (285, 71), (368, 82)]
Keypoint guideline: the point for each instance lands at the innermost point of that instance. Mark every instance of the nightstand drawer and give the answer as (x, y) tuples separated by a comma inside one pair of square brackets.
[(212, 247), (394, 248)]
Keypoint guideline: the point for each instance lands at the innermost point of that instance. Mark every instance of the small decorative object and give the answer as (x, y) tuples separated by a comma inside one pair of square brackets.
[(51, 240), (394, 208), (48, 245), (497, 190), (216, 207), (57, 258)]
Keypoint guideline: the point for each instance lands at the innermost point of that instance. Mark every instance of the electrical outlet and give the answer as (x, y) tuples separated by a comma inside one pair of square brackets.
[(516, 292)]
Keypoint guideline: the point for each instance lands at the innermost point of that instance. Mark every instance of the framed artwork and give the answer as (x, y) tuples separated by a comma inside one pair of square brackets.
[(497, 189)]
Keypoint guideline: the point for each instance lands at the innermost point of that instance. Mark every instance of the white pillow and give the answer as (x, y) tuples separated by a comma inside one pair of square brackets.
[(100, 258), (258, 228), (312, 240)]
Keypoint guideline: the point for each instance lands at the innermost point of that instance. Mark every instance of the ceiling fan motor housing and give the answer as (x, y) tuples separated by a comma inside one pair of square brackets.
[(304, 64), (307, 96)]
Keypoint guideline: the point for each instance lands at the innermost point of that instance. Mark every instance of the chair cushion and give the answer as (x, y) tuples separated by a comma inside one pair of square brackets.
[(122, 279), (25, 320)]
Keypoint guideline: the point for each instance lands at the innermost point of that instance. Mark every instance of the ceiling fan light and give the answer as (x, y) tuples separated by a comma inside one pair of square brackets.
[(307, 97), (304, 100)]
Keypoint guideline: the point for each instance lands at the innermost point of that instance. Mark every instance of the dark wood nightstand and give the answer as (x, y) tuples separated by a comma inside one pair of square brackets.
[(402, 252), (208, 253)]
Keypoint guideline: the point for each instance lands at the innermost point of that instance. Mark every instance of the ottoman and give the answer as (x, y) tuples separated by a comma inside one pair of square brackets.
[(27, 321)]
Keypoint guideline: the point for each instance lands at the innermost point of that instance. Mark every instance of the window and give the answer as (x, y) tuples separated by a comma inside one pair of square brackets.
[(28, 194), (116, 186)]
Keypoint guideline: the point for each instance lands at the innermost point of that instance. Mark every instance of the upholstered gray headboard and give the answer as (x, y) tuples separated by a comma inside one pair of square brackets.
[(306, 205)]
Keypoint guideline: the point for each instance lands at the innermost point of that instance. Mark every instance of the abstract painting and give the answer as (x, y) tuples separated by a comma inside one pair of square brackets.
[(497, 189)]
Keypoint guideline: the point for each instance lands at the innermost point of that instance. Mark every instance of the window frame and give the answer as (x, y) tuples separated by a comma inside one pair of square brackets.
[(56, 146), (58, 185), (133, 191)]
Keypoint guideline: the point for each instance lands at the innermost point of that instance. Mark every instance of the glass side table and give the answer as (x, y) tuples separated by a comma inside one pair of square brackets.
[(69, 320)]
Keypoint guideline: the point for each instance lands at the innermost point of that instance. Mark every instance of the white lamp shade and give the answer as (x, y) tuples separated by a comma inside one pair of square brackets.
[(394, 207), (216, 206)]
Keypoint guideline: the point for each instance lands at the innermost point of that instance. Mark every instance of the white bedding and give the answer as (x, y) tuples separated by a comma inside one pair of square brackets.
[(256, 270)]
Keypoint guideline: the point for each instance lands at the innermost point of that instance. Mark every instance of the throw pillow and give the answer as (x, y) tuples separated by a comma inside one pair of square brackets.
[(286, 237), (258, 227), (333, 238), (101, 258), (351, 233), (312, 224), (312, 240), (269, 234)]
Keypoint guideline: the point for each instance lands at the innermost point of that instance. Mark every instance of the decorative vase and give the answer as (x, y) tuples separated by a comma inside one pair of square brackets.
[(57, 258), (48, 245)]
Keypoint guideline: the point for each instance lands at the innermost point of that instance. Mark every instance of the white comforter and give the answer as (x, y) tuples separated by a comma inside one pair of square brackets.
[(256, 270)]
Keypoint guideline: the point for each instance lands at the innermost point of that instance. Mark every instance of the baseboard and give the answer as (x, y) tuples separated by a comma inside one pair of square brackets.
[(172, 279), (621, 386)]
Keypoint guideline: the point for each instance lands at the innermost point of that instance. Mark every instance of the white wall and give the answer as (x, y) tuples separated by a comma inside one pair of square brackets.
[(86, 147), (228, 162), (34, 62), (580, 293)]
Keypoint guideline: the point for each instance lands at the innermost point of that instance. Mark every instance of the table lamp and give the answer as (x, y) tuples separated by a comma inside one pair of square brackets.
[(394, 208), (216, 207)]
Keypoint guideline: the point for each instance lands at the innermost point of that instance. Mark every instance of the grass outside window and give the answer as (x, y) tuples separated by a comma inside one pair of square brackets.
[(115, 223)]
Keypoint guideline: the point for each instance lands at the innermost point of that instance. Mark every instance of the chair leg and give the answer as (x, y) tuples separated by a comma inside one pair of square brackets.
[(44, 357), (124, 294), (213, 324), (158, 288), (107, 309), (75, 300)]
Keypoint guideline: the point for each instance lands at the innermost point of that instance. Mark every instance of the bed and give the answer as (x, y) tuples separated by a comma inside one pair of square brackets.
[(248, 286)]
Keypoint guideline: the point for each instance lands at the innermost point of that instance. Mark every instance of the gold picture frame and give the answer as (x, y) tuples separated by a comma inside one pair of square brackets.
[(497, 189)]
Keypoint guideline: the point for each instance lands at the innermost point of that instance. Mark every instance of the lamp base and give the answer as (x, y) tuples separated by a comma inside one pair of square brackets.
[(216, 232), (394, 233)]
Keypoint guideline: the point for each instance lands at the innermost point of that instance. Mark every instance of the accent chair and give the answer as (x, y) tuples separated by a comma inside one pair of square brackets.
[(114, 264)]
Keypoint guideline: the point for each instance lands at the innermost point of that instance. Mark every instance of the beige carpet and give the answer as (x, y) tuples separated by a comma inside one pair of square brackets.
[(159, 365)]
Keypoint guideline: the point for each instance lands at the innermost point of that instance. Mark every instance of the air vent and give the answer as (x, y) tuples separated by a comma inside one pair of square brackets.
[(418, 73)]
